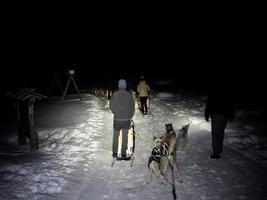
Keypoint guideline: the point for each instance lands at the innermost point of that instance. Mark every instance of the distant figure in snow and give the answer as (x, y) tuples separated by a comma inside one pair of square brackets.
[(220, 107), (143, 90), (122, 106), (110, 87)]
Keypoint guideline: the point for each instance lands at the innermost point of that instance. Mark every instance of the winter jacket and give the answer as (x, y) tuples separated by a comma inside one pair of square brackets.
[(220, 103), (143, 89), (122, 105)]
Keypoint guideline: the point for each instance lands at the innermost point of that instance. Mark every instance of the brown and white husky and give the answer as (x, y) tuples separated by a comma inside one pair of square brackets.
[(164, 152)]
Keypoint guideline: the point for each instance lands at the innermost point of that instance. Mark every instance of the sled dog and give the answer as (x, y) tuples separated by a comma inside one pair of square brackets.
[(154, 160), (164, 152)]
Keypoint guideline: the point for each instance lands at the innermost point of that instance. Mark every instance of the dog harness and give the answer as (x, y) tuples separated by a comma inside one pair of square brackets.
[(165, 151), (155, 155)]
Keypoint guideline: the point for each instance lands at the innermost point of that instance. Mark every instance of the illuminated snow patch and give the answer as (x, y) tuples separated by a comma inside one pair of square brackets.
[(165, 95), (205, 126)]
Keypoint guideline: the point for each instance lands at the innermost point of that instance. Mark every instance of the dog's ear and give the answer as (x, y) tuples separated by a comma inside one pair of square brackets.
[(169, 127), (186, 126)]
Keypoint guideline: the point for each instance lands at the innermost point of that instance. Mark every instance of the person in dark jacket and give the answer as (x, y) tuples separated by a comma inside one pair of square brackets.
[(122, 106), (220, 107)]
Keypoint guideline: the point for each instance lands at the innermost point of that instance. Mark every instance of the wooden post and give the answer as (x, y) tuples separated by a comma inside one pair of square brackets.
[(21, 135), (28, 129), (33, 133)]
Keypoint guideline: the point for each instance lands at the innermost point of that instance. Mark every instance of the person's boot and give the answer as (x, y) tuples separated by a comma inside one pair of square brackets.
[(214, 156), (115, 155)]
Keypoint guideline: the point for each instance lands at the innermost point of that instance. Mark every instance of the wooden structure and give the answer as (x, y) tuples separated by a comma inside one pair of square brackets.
[(25, 99), (70, 79)]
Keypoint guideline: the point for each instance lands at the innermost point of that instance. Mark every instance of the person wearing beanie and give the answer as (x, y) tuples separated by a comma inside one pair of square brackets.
[(122, 106), (122, 84)]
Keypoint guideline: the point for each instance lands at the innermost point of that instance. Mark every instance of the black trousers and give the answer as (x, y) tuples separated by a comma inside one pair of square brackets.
[(143, 101), (218, 125), (117, 126)]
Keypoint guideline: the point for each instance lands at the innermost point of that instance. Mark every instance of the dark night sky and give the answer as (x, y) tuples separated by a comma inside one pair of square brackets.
[(195, 51), (194, 60)]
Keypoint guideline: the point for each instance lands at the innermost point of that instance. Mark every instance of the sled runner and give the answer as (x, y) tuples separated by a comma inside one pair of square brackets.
[(130, 147)]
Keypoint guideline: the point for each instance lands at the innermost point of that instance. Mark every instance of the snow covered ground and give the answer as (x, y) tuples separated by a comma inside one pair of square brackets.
[(74, 158)]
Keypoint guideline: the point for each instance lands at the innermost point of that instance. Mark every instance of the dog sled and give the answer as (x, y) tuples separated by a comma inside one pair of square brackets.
[(130, 147)]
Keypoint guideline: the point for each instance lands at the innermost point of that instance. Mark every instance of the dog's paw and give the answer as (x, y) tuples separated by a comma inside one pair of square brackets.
[(163, 180), (148, 181)]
